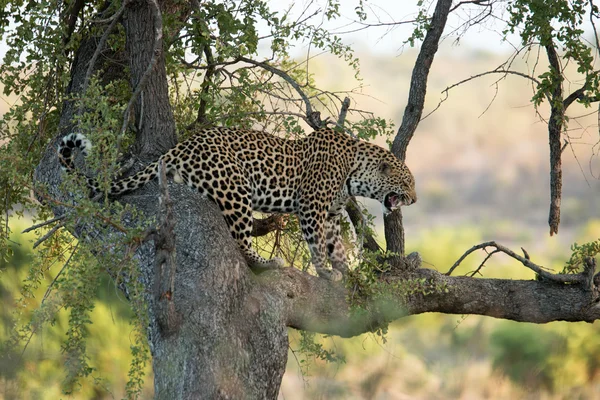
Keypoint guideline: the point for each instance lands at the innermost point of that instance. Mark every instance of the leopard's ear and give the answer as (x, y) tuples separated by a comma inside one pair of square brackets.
[(385, 168)]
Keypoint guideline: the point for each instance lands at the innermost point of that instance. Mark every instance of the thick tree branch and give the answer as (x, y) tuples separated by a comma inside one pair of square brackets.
[(316, 305), (579, 94), (156, 52)]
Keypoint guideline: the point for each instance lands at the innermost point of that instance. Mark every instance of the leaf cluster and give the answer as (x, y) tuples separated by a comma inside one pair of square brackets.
[(556, 23)]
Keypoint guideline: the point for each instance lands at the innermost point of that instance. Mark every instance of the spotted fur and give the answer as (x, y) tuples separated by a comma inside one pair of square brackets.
[(243, 170)]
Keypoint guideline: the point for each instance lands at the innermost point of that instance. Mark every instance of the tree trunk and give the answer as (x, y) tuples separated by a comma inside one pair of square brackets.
[(221, 339)]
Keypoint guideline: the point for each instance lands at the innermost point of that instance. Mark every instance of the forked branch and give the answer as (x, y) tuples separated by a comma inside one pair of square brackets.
[(313, 118), (559, 278)]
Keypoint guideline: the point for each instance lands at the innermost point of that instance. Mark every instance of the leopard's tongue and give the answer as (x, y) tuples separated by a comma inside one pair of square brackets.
[(391, 201)]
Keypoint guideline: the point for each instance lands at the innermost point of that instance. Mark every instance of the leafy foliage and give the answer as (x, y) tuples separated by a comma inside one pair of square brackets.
[(580, 253), (556, 23)]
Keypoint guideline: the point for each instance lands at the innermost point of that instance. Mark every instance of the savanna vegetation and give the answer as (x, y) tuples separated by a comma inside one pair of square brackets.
[(141, 297)]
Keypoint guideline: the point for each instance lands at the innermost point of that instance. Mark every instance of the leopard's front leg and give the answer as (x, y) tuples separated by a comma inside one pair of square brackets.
[(312, 223)]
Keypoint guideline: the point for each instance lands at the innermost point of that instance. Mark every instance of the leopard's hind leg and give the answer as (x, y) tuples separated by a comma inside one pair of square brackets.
[(232, 193), (238, 216)]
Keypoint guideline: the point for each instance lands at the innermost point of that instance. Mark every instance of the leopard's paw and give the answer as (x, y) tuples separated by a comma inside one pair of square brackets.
[(330, 274)]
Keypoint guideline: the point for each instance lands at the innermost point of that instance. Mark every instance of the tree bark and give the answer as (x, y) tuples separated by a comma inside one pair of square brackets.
[(154, 120), (394, 230), (225, 331)]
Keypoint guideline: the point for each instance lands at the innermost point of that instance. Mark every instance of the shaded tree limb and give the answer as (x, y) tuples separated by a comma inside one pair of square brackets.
[(70, 19), (92, 64), (314, 305), (206, 83)]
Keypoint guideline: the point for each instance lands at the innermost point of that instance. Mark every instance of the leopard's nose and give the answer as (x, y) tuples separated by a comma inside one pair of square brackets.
[(410, 198)]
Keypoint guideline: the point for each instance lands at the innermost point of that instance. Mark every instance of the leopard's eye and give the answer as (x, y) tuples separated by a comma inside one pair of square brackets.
[(385, 168)]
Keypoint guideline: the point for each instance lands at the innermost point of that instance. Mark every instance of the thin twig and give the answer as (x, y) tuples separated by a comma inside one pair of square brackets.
[(490, 254), (496, 71), (33, 331), (476, 2), (49, 233), (592, 14), (42, 224)]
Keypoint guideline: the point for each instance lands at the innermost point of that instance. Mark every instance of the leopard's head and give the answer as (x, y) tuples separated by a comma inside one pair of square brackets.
[(378, 174)]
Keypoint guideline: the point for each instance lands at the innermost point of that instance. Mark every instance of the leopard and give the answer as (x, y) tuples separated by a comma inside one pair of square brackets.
[(244, 170)]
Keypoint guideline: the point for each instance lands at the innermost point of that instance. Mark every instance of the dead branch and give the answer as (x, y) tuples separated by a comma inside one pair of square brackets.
[(496, 71), (555, 125), (559, 278), (489, 255), (485, 3), (343, 111)]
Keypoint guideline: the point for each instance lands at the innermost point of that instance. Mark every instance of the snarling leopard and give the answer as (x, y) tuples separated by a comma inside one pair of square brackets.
[(243, 170)]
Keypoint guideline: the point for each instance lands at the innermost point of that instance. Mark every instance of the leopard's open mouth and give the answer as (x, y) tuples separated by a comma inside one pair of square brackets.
[(394, 200)]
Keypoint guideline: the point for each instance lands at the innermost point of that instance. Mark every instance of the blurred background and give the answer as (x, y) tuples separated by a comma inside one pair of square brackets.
[(482, 171)]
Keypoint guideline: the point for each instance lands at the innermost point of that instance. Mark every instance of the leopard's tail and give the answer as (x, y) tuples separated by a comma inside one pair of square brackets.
[(78, 141), (66, 150)]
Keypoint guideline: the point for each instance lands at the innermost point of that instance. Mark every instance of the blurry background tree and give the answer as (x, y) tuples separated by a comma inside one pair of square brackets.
[(132, 74)]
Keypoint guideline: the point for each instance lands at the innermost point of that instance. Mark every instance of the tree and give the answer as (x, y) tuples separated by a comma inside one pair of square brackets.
[(130, 75)]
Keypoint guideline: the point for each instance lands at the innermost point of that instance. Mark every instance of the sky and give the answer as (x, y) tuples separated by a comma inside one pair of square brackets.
[(387, 39)]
